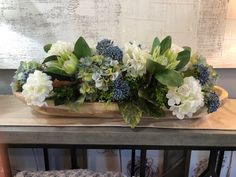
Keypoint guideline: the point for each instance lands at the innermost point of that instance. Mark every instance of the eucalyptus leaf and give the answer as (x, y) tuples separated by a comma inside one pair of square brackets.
[(165, 44), (81, 48), (47, 47), (155, 43), (131, 113), (50, 58), (170, 78), (154, 67), (183, 57)]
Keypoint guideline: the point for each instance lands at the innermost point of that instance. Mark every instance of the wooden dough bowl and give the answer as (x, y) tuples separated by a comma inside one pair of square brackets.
[(102, 110)]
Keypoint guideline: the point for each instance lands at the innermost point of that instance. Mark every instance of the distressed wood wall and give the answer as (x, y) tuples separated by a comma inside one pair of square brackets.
[(208, 26)]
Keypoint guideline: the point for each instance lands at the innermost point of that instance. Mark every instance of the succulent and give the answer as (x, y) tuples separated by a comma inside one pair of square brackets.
[(66, 62)]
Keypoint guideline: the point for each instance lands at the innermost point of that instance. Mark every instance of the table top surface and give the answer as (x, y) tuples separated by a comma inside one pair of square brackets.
[(16, 131)]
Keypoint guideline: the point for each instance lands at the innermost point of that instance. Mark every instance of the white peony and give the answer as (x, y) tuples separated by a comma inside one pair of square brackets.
[(37, 88), (186, 99), (135, 59), (60, 47)]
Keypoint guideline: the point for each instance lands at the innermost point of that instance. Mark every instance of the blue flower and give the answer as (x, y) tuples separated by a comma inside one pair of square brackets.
[(114, 52), (203, 73), (103, 45), (212, 102), (120, 90)]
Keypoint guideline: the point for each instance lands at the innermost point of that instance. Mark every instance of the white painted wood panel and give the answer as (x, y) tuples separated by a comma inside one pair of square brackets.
[(208, 26)]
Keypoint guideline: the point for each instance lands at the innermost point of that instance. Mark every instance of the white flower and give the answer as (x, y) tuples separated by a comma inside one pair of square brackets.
[(99, 82), (186, 99), (37, 88), (60, 47), (135, 59)]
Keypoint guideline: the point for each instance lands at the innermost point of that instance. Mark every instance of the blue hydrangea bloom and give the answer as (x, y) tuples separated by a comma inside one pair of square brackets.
[(120, 90), (103, 45), (114, 52), (212, 102), (203, 73)]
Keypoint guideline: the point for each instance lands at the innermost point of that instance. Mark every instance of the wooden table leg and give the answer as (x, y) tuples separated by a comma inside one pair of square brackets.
[(5, 169)]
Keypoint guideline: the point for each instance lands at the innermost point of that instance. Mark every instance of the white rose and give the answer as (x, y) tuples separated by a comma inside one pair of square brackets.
[(135, 59), (186, 99), (60, 47), (37, 88)]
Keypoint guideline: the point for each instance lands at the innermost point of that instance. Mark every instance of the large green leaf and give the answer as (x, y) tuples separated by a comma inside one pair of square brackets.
[(81, 48), (165, 44), (154, 67), (47, 47), (183, 57), (170, 78), (155, 43), (130, 113), (50, 58)]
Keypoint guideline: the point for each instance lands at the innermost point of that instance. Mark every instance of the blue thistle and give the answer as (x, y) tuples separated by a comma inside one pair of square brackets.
[(203, 73), (212, 102), (120, 90), (103, 45), (24, 76), (114, 52)]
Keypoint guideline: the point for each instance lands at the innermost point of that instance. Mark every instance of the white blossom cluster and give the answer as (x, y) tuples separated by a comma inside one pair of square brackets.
[(135, 59), (37, 88), (186, 99), (60, 47)]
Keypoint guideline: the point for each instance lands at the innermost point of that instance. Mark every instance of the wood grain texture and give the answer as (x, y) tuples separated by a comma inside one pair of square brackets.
[(103, 110), (15, 113), (19, 125)]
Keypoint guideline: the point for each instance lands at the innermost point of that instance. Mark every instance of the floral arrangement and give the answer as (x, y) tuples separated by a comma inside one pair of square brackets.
[(141, 81)]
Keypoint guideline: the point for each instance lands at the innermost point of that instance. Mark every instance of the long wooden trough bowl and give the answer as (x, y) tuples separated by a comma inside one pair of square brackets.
[(103, 110)]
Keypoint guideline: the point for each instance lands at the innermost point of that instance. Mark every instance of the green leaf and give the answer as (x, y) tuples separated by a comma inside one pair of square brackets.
[(154, 67), (50, 58), (170, 78), (47, 47), (184, 58), (143, 93), (77, 104), (165, 44), (55, 70), (155, 43), (81, 48), (131, 113), (148, 106), (187, 48), (65, 95)]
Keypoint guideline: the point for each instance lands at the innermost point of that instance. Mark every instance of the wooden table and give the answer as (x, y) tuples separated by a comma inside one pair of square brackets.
[(113, 137)]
